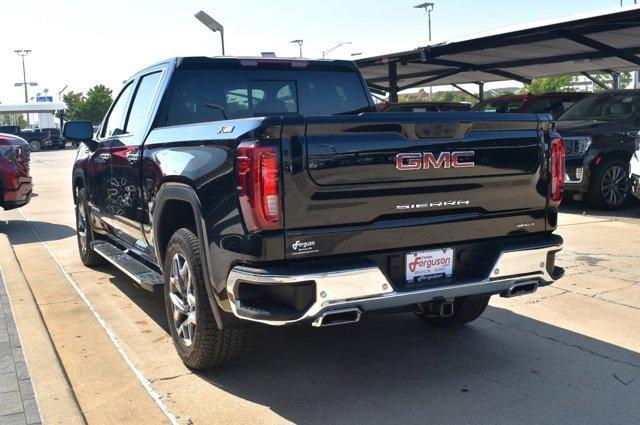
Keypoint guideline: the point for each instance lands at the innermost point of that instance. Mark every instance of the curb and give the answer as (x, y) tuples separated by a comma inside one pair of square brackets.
[(55, 397)]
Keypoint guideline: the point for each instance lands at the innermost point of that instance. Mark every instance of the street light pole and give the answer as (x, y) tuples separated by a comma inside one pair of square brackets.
[(326, 52), (62, 91), (22, 53), (299, 43), (428, 7), (213, 25)]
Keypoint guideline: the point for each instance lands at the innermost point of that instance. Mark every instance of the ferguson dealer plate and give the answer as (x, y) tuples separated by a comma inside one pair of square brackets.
[(423, 266)]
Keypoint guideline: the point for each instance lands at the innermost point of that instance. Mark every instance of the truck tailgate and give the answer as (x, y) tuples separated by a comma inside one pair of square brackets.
[(381, 181)]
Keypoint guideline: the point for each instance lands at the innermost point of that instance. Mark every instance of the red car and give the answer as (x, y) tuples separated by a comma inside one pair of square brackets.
[(549, 103), (15, 181)]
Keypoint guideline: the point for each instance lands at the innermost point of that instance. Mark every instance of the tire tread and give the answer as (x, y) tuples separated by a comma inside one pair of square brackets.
[(212, 346)]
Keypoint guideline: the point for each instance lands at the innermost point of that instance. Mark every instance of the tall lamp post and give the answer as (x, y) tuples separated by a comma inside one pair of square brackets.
[(22, 53), (213, 25), (299, 43), (428, 7), (326, 52)]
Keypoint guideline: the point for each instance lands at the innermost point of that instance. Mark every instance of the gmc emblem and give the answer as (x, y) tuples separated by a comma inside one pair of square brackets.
[(427, 160)]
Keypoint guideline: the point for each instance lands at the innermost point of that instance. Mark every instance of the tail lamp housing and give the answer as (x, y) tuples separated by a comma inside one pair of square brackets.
[(14, 152), (258, 172), (557, 171)]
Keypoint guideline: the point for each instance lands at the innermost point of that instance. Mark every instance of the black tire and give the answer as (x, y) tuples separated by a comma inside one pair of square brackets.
[(84, 233), (618, 190), (465, 310), (199, 342), (35, 145)]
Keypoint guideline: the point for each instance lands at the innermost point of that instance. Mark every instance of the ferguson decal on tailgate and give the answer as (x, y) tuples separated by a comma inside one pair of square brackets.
[(300, 247)]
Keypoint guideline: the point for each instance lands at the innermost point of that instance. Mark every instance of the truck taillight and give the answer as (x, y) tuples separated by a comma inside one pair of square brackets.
[(257, 168), (557, 171)]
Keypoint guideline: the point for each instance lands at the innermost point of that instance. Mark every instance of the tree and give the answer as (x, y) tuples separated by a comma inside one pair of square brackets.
[(91, 107), (562, 83), (607, 79), (74, 102), (96, 104)]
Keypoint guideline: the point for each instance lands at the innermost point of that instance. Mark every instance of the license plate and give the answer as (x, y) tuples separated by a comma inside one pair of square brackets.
[(423, 266)]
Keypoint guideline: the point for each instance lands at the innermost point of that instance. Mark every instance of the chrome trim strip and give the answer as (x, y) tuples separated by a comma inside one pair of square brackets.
[(367, 288)]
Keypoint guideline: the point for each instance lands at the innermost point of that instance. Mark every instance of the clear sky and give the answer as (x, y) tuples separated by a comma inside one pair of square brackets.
[(87, 42)]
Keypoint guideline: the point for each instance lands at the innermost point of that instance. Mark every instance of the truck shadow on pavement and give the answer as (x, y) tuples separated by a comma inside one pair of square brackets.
[(52, 232), (631, 210), (392, 368), (503, 368)]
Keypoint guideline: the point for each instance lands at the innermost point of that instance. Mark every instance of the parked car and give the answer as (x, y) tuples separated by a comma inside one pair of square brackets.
[(15, 181), (549, 103), (634, 169), (423, 107), (37, 138), (601, 135), (263, 190)]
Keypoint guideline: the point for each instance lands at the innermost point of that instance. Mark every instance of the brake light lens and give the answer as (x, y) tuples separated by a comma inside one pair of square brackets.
[(15, 153), (257, 168), (557, 171)]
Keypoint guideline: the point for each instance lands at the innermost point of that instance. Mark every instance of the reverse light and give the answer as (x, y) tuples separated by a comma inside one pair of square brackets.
[(257, 169), (557, 171)]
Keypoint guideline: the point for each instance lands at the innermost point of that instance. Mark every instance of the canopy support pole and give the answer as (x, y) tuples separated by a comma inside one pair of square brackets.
[(615, 80), (393, 82)]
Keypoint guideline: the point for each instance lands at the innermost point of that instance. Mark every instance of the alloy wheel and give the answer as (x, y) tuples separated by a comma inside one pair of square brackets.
[(615, 185), (34, 146), (183, 299), (81, 226)]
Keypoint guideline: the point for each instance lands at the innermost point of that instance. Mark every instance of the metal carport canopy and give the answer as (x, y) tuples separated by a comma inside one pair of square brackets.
[(31, 108), (605, 41)]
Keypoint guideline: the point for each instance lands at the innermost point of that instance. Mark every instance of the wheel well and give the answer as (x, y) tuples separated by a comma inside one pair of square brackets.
[(175, 215), (617, 155)]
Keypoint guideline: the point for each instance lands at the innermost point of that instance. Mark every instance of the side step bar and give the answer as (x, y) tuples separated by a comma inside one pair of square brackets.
[(145, 277)]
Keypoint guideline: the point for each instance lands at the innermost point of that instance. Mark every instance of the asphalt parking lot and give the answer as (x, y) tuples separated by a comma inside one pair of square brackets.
[(567, 354)]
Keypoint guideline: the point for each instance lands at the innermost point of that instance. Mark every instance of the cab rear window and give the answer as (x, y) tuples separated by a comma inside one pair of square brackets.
[(202, 95)]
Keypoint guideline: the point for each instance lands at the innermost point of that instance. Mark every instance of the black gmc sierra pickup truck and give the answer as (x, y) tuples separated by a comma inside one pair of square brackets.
[(269, 190)]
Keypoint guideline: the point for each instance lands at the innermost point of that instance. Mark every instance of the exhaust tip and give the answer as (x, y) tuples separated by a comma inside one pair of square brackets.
[(338, 317), (522, 288)]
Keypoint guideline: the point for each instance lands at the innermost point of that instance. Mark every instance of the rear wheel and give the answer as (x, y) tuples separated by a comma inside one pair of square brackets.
[(465, 310), (196, 336), (35, 145), (610, 186)]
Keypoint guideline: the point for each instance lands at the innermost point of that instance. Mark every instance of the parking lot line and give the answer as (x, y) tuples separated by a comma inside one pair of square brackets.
[(112, 335)]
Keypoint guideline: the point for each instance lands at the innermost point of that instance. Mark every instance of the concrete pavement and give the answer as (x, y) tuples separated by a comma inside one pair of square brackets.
[(568, 354)]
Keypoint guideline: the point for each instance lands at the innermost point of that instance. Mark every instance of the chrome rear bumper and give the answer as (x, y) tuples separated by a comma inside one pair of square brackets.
[(367, 288)]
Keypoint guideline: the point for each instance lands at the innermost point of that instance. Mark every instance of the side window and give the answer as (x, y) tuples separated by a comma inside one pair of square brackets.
[(114, 124), (541, 106), (141, 105)]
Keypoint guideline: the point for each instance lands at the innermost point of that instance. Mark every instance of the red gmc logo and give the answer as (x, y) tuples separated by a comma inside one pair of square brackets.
[(424, 161)]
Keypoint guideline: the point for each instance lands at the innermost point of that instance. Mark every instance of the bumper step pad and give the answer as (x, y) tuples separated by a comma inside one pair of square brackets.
[(144, 276)]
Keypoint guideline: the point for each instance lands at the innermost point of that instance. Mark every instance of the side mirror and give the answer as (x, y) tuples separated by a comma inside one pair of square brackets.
[(80, 131)]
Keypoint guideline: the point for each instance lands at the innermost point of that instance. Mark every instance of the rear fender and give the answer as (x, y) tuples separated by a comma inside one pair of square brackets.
[(185, 193)]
